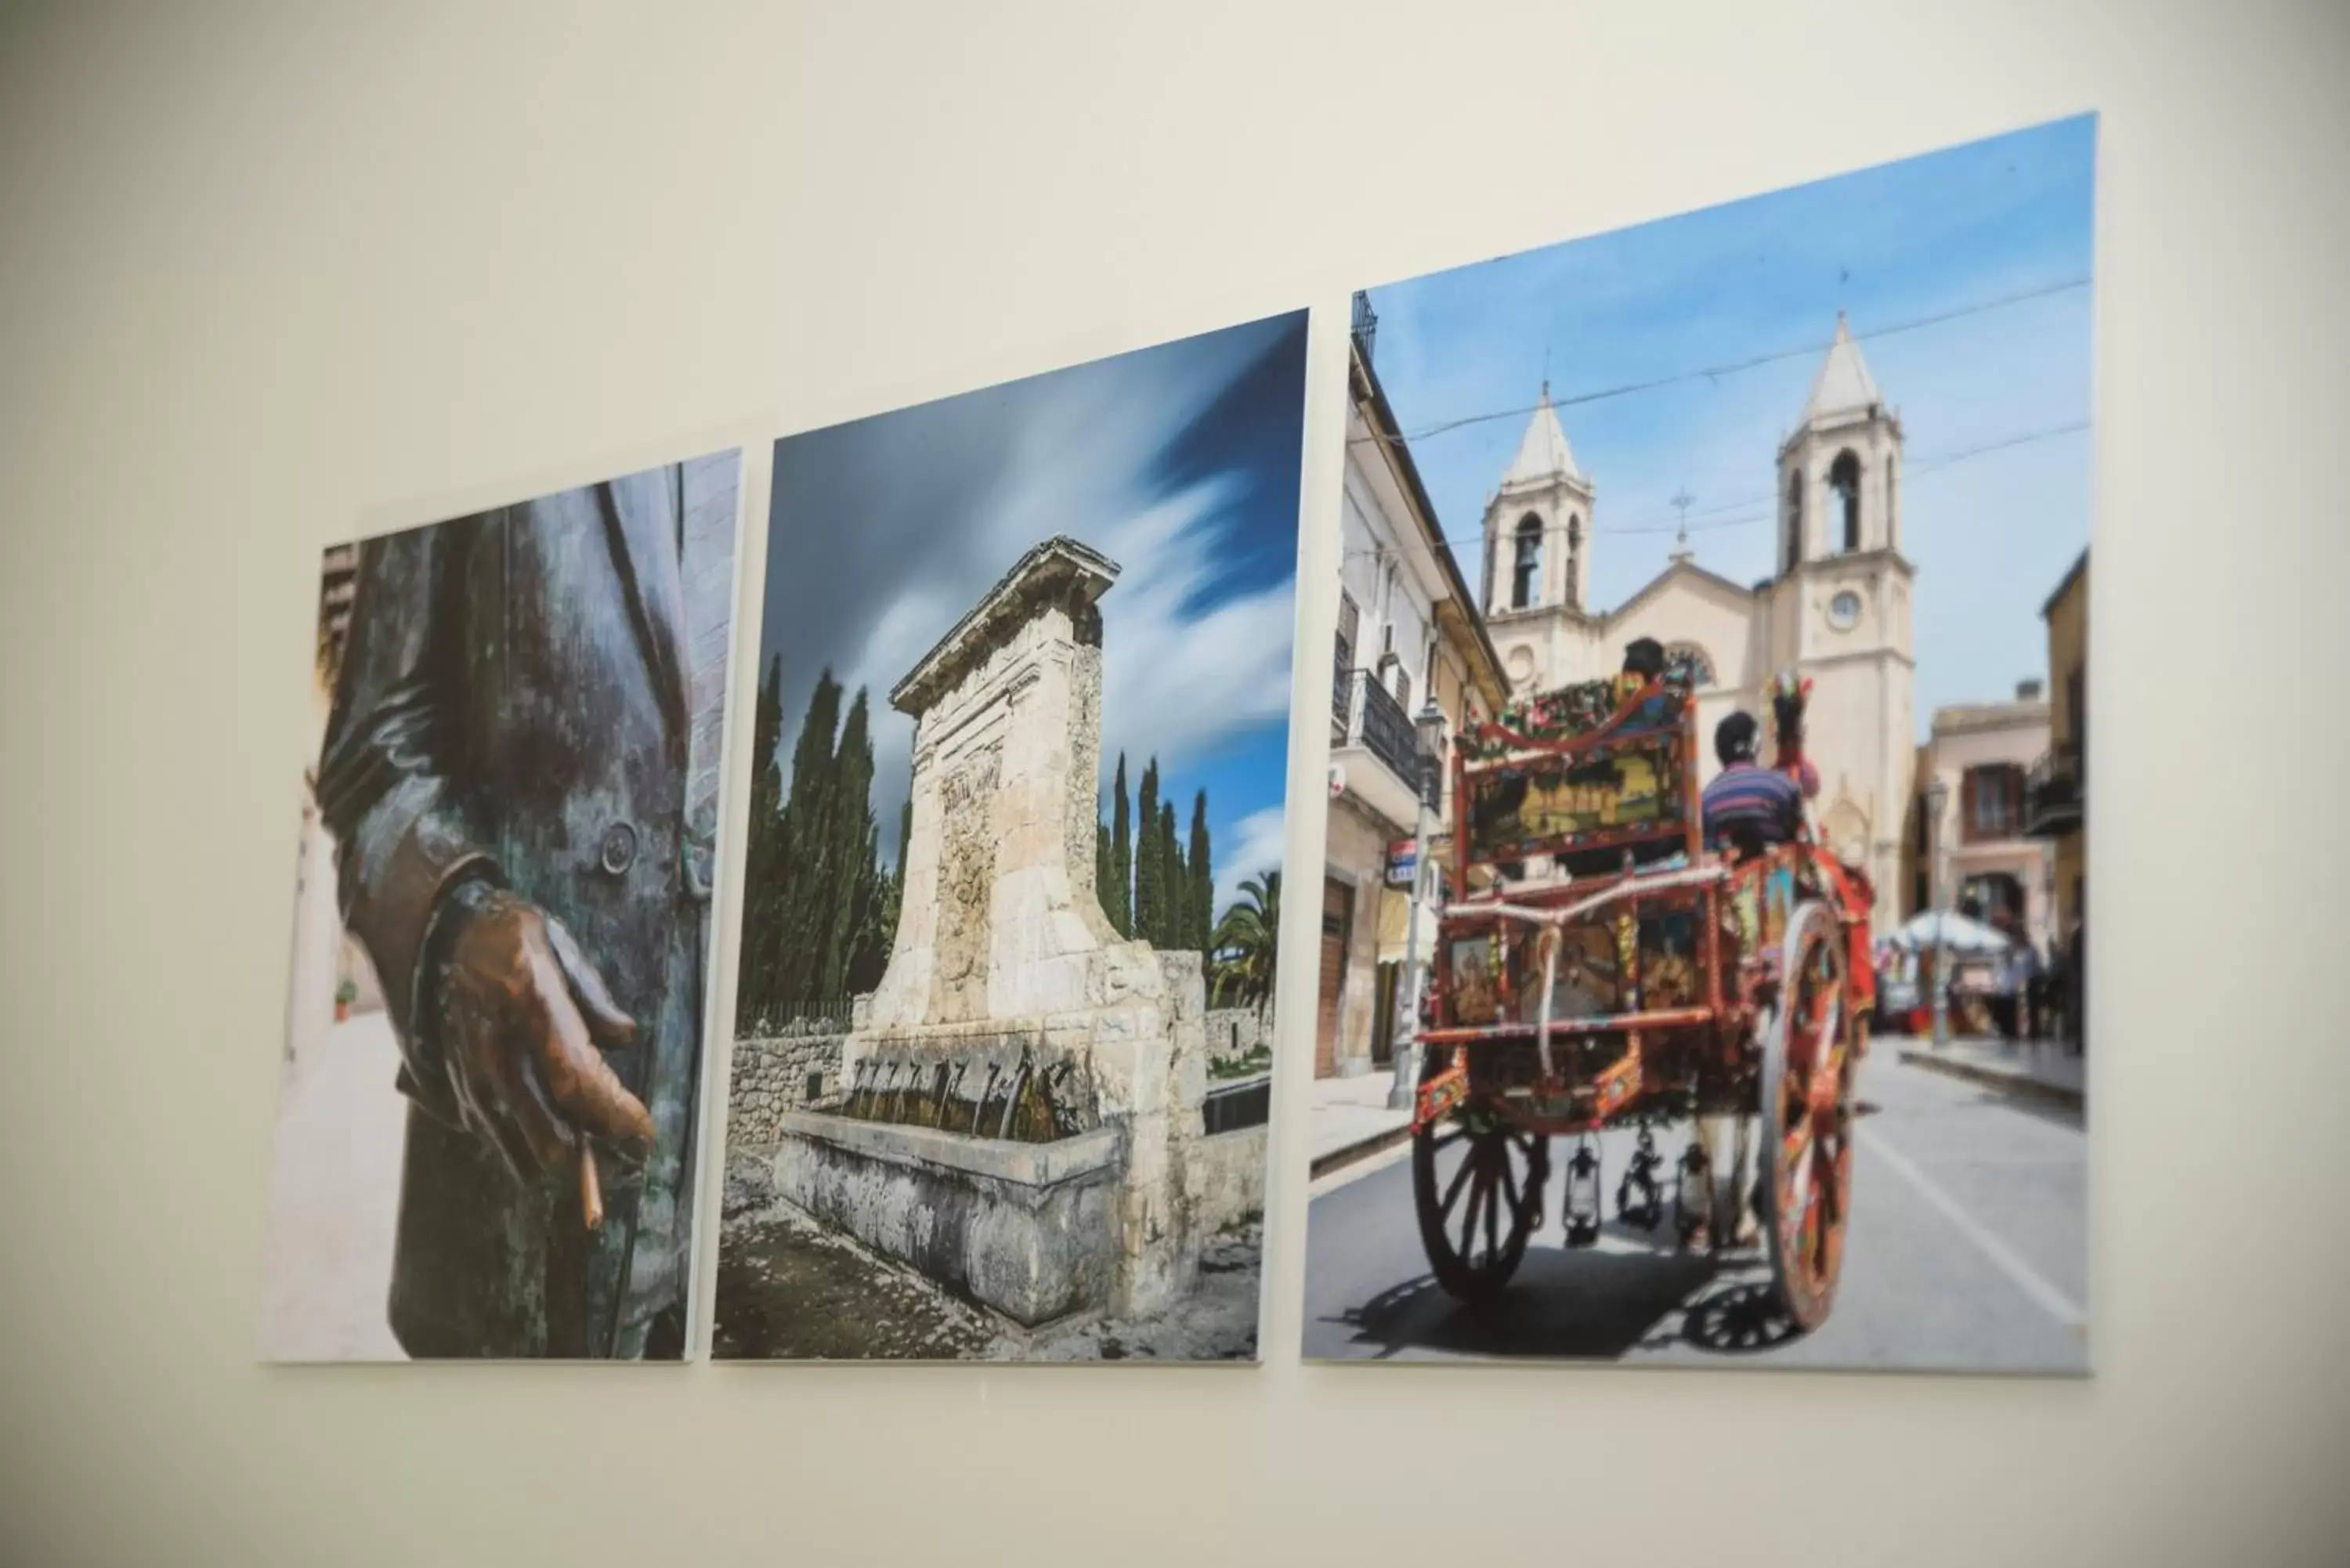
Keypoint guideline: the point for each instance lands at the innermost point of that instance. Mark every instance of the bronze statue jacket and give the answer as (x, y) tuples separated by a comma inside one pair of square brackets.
[(518, 702)]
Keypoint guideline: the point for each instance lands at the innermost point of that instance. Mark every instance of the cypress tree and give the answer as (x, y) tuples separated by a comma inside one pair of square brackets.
[(1146, 856), (756, 971), (821, 910), (1203, 879), (805, 915), (1119, 905), (851, 855), (905, 831), (1173, 893)]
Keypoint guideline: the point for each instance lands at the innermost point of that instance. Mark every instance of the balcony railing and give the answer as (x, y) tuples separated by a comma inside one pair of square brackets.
[(1376, 722), (2053, 794)]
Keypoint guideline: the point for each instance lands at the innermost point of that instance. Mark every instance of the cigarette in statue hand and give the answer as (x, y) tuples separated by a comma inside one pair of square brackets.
[(591, 1191)]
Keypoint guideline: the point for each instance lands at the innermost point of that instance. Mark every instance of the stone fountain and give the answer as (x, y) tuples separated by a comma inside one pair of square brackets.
[(1021, 1095)]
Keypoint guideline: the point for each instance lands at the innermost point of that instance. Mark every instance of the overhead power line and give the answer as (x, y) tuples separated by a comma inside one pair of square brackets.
[(1749, 510), (1733, 366)]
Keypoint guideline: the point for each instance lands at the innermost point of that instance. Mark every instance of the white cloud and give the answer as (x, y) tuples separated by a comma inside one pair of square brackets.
[(1257, 848), (930, 506), (1182, 669)]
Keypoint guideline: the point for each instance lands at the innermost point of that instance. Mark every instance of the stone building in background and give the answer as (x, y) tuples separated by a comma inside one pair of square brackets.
[(1838, 609), (1982, 752), (1409, 631), (2056, 791)]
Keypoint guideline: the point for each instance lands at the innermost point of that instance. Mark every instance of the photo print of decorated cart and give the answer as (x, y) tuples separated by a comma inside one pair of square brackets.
[(1601, 966)]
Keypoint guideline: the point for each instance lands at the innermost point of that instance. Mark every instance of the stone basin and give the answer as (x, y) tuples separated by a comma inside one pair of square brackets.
[(1028, 1229)]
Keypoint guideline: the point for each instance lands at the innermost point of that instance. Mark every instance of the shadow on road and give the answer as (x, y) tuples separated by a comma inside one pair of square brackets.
[(1580, 1304), (1738, 1319), (1585, 1306), (2070, 1118)]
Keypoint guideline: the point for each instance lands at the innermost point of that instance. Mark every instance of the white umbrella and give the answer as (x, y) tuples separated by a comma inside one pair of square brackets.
[(1956, 932)]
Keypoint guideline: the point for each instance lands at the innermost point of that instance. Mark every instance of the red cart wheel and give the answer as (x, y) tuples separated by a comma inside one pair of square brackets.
[(1477, 1206), (1808, 1116)]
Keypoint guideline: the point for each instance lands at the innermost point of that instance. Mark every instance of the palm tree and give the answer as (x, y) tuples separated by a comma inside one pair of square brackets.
[(1245, 941)]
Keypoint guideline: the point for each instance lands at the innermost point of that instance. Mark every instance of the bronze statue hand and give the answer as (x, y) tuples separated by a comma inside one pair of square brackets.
[(523, 1013)]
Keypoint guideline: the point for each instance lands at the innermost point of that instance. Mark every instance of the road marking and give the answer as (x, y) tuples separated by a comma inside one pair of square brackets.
[(2050, 1300)]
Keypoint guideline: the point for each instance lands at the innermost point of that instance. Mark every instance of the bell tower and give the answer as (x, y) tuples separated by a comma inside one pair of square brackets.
[(1839, 473), (1840, 605), (1538, 525)]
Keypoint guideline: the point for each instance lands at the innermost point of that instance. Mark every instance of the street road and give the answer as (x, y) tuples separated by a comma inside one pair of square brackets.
[(1968, 1252)]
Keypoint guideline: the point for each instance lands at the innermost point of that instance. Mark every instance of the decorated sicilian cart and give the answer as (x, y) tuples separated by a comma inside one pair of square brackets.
[(1601, 967)]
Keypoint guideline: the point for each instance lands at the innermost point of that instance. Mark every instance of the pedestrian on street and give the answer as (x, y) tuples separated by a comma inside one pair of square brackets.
[(2007, 984), (2056, 986), (2077, 997), (2032, 990)]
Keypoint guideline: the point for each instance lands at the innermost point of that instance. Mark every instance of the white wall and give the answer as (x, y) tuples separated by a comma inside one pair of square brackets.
[(264, 272)]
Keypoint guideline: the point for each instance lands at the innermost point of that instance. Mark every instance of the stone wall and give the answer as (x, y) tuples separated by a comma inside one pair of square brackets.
[(771, 1074), (1227, 1177), (1028, 1229), (1235, 1033)]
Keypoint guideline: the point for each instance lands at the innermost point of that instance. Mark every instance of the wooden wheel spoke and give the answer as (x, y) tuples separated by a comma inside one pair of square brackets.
[(1807, 1073), (1493, 1214), (1475, 1244), (1828, 1167), (1797, 1142), (1452, 1190), (1479, 1196)]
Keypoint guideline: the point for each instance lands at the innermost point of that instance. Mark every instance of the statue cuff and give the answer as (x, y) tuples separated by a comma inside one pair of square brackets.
[(409, 853)]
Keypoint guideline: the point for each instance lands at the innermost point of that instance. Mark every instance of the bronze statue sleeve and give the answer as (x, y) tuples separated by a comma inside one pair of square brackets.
[(403, 839)]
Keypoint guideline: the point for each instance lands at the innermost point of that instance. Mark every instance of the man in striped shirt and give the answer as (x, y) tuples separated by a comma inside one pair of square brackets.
[(1747, 806)]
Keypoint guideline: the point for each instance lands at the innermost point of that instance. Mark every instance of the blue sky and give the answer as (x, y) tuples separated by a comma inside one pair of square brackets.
[(1990, 535), (1178, 462)]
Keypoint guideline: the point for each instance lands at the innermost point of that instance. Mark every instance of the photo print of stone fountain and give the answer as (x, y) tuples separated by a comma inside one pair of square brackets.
[(1003, 1024)]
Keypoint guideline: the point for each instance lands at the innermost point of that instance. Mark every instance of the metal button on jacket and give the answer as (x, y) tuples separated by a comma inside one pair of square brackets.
[(620, 848)]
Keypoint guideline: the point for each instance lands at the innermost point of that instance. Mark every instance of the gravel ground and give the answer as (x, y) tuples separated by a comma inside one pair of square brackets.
[(788, 1289)]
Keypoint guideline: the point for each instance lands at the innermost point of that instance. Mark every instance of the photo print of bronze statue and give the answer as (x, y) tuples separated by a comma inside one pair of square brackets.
[(1004, 1022), (486, 1133)]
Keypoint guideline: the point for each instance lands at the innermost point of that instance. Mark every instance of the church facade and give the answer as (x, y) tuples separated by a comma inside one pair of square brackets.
[(1837, 610)]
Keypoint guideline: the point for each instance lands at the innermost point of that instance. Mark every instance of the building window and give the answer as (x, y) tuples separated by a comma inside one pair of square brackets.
[(1386, 991), (1692, 660), (1574, 556), (1401, 684), (1349, 623), (1794, 530), (1525, 569), (1991, 797), (1844, 478)]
